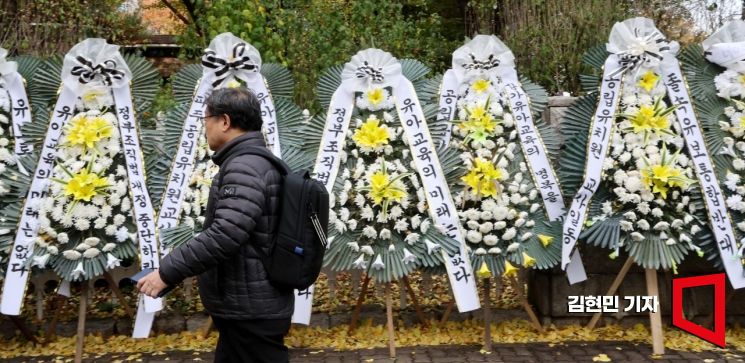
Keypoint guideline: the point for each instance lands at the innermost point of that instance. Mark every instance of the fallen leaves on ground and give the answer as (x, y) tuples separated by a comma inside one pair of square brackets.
[(601, 358), (468, 332)]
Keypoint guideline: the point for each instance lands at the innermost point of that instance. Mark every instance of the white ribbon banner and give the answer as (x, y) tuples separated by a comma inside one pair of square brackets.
[(325, 170), (16, 275), (448, 102), (600, 133), (20, 112), (183, 163), (719, 219), (141, 204), (257, 84), (533, 147), (439, 200)]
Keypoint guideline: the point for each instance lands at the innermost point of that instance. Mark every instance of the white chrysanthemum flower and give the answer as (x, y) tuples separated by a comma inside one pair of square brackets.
[(473, 236), (509, 234), (415, 221), (72, 255), (424, 226), (122, 234), (91, 253), (82, 224), (370, 232), (385, 233), (412, 238)]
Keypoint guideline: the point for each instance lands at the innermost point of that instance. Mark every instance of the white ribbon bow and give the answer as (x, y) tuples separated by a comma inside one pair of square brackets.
[(95, 62), (639, 44), (6, 67), (229, 57), (485, 56), (726, 47), (371, 67)]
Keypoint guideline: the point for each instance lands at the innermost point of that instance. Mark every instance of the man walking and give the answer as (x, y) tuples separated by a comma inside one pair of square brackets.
[(251, 315)]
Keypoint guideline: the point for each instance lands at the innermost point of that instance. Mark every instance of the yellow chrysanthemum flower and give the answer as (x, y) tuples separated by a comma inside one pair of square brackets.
[(665, 175), (87, 131), (483, 272), (371, 134), (382, 188), (645, 120), (480, 123), (480, 85), (483, 177), (233, 84), (85, 185), (742, 121), (545, 240), (742, 78), (509, 270), (375, 96), (528, 261), (648, 80)]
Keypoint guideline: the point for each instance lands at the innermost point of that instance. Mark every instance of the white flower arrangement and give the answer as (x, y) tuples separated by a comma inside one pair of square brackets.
[(379, 201), (730, 85), (86, 216), (647, 171), (499, 200)]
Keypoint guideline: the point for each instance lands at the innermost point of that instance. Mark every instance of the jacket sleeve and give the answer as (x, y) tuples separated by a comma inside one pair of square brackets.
[(240, 203)]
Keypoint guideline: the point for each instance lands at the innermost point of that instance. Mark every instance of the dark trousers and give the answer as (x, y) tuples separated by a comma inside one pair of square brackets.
[(244, 341)]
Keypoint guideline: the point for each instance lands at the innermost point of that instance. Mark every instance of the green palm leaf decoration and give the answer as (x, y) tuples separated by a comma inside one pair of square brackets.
[(184, 83), (44, 84), (594, 59), (699, 72)]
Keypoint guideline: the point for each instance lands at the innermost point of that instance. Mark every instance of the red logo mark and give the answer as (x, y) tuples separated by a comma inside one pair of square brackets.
[(718, 281)]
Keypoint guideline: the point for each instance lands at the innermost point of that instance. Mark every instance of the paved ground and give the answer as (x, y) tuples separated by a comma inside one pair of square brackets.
[(570, 352)]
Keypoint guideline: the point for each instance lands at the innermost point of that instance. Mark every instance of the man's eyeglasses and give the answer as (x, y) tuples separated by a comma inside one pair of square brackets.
[(208, 116)]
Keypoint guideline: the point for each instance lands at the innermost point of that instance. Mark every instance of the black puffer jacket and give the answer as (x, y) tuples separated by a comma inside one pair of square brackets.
[(243, 215)]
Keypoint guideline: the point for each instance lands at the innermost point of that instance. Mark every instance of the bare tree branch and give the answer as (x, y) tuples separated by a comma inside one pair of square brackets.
[(175, 12)]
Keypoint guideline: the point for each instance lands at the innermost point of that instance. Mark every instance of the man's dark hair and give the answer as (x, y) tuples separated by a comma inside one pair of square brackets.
[(240, 104)]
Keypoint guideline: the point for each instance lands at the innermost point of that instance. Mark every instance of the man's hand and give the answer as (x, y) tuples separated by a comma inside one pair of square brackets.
[(151, 285)]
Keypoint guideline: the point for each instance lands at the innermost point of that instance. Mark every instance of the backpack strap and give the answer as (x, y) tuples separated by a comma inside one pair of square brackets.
[(280, 165)]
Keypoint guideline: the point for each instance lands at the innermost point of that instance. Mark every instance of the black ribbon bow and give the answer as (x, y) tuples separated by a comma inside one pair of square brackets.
[(368, 71), (484, 65), (211, 60), (88, 72)]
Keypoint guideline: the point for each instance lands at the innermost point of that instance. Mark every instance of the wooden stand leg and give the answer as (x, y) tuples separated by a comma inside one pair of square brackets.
[(358, 307), (81, 323), (526, 305), (613, 288), (448, 310), (655, 318), (487, 314), (59, 302), (389, 318), (39, 303), (207, 327), (118, 293), (414, 301), (21, 325)]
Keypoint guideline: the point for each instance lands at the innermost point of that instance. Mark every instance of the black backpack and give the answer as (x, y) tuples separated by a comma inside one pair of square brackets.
[(296, 254)]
